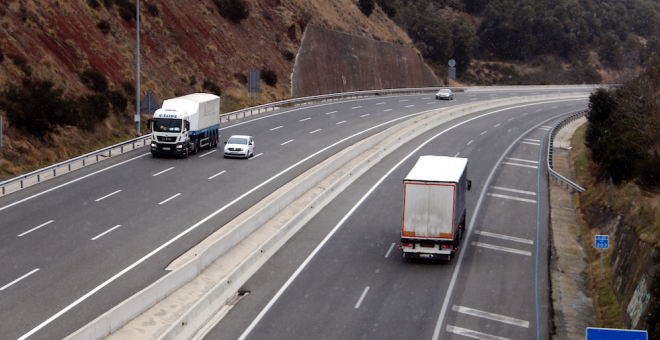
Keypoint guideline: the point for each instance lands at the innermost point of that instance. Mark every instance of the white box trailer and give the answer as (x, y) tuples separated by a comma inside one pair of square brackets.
[(186, 124), (434, 195)]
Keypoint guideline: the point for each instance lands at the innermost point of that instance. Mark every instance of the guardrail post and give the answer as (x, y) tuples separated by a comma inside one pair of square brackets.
[(21, 184), (54, 172), (38, 178)]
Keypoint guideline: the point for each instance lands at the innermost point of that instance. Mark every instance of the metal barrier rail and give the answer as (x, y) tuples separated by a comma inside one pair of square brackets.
[(284, 103), (556, 176)]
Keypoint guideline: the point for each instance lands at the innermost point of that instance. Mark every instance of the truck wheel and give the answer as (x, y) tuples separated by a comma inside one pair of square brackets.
[(154, 154), (194, 149)]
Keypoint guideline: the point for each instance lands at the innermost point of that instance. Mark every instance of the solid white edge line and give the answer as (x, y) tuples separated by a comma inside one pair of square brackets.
[(163, 171), (472, 334), (218, 174), (19, 279), (390, 250), (287, 142), (73, 181), (512, 198), (357, 305), (169, 198), (505, 249), (504, 237), (106, 196), (491, 316), (35, 228), (107, 231), (208, 153)]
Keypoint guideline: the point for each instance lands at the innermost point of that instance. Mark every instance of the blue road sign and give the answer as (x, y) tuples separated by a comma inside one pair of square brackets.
[(615, 334), (602, 241)]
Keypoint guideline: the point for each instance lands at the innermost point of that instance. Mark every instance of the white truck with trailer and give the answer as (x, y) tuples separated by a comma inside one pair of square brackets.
[(434, 195), (186, 124)]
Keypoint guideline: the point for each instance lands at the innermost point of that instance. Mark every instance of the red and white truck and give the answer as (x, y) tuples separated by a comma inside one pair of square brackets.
[(434, 195)]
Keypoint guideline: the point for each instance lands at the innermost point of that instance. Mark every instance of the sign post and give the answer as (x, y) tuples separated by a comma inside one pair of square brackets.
[(602, 242), (149, 104), (452, 70), (594, 333)]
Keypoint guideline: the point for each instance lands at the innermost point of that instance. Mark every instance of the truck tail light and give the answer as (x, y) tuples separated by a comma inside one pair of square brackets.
[(407, 244), (446, 247), (427, 245)]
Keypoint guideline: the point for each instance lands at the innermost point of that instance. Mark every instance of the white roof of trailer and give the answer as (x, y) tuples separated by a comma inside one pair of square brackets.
[(437, 169)]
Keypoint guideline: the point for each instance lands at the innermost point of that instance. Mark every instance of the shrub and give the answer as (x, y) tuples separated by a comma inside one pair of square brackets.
[(366, 6), (91, 109), (104, 26), (242, 78), (118, 101), (389, 7), (127, 10), (18, 59), (288, 55), (108, 3), (93, 4), (94, 80), (269, 76), (128, 87), (152, 9), (212, 87), (233, 10), (649, 174)]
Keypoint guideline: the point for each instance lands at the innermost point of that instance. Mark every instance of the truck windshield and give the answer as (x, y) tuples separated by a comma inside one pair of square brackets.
[(167, 125)]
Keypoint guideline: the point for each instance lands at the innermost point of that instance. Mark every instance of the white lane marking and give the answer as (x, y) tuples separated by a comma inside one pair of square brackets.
[(275, 128), (554, 107), (387, 110), (255, 156), (510, 119), (287, 142), (456, 155), (426, 98), (471, 95), (390, 250), (505, 237), (331, 112), (169, 199), (73, 181), (522, 165), (166, 170), (539, 110), (481, 134), (35, 228), (535, 93), (302, 120), (546, 127), (355, 107), (505, 249), (410, 105), (522, 160), (470, 142), (515, 190), (357, 305), (342, 122), (317, 130), (496, 125), (472, 334), (218, 174), (208, 153), (20, 278), (107, 231), (430, 103), (529, 143), (524, 114), (106, 196), (403, 100), (364, 115), (512, 198), (381, 103), (491, 316), (531, 140)]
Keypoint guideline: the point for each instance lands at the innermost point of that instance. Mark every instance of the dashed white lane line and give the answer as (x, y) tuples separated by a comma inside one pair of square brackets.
[(287, 142), (539, 110), (364, 115), (472, 334), (208, 153), (357, 305), (546, 127), (331, 112), (470, 142), (522, 160), (515, 190), (106, 196), (531, 140), (510, 119), (410, 105), (505, 249), (279, 127), (426, 98), (166, 170), (505, 237), (165, 201), (481, 134), (390, 250), (471, 95), (35, 228), (524, 114), (554, 107), (491, 316), (342, 122), (315, 131), (456, 155), (514, 198), (355, 107), (529, 143), (381, 103), (20, 278), (107, 231), (387, 110), (255, 156), (218, 174), (474, 98), (302, 120), (430, 103), (403, 100), (496, 125)]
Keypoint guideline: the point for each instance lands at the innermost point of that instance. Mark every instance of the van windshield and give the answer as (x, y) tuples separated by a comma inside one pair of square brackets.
[(167, 125)]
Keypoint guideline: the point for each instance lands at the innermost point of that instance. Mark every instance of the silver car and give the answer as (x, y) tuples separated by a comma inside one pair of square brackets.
[(444, 94), (239, 146)]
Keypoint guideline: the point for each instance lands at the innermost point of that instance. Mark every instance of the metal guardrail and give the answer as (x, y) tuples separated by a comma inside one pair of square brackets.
[(107, 152), (556, 176)]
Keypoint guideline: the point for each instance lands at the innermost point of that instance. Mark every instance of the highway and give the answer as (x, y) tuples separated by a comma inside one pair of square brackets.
[(77, 245), (355, 284)]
